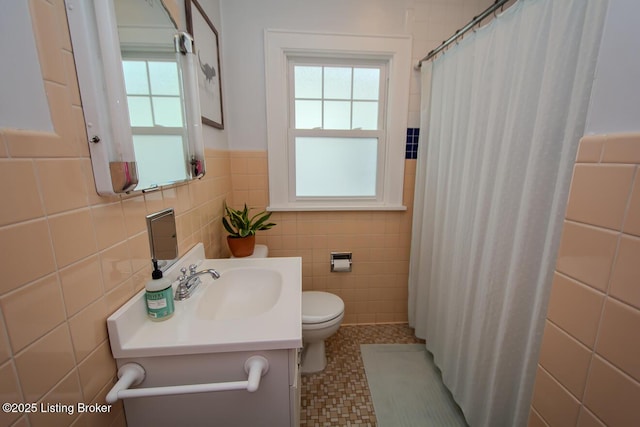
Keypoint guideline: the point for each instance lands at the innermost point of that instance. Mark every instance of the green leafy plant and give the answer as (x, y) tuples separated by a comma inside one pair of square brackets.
[(238, 223)]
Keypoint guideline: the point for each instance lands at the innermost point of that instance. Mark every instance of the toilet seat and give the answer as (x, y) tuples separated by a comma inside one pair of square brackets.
[(320, 307)]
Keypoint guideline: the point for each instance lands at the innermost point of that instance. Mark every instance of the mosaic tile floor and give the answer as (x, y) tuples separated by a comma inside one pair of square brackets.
[(339, 396)]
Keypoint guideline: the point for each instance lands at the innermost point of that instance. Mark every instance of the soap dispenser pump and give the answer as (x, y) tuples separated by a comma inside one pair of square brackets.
[(159, 296)]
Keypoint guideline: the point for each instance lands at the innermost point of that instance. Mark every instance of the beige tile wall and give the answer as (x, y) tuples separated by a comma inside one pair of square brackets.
[(589, 366), (69, 257), (376, 290)]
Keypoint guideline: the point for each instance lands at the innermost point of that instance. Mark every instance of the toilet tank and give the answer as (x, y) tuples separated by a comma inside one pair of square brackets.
[(260, 251)]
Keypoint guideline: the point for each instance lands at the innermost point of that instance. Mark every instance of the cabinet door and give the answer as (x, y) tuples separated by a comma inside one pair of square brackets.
[(295, 395)]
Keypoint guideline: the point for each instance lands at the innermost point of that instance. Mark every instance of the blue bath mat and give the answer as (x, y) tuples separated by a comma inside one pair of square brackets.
[(406, 387)]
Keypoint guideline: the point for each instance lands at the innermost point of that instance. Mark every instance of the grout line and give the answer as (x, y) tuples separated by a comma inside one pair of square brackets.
[(618, 370), (601, 157), (577, 399), (580, 282), (569, 335), (602, 312), (586, 409), (540, 416), (592, 226), (4, 145), (629, 197)]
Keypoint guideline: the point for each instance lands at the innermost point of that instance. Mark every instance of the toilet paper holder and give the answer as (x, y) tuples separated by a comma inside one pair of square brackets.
[(341, 262)]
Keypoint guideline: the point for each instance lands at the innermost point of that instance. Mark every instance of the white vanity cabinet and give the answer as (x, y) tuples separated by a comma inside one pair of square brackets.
[(276, 403), (252, 311)]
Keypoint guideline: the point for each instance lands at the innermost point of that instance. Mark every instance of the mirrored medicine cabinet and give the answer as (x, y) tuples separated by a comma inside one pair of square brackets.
[(138, 84)]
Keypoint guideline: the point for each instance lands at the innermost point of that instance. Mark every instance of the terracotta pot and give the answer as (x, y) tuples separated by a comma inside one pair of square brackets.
[(241, 246)]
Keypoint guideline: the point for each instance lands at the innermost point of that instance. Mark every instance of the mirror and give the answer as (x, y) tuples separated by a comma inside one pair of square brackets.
[(139, 94), (163, 238), (154, 92)]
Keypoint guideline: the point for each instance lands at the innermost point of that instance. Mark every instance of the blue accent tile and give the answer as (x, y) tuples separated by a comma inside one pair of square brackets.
[(411, 149)]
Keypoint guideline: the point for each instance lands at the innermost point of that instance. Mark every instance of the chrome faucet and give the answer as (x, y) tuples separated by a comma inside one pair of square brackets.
[(188, 284)]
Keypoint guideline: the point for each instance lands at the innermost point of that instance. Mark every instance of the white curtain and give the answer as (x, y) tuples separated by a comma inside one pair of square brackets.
[(502, 115)]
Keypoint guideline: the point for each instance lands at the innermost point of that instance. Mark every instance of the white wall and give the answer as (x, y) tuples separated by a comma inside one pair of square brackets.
[(615, 99), (23, 103), (213, 137), (242, 35)]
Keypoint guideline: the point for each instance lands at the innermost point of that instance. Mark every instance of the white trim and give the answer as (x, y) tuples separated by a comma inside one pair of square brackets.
[(97, 56), (396, 49), (308, 207)]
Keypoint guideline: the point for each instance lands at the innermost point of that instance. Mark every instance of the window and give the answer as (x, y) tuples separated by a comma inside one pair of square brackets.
[(336, 128), (337, 113), (154, 98), (153, 93)]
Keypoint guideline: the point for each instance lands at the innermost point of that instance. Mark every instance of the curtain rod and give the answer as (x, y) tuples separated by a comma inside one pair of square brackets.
[(488, 11)]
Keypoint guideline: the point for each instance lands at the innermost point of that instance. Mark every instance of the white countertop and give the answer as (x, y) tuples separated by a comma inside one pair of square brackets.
[(133, 334)]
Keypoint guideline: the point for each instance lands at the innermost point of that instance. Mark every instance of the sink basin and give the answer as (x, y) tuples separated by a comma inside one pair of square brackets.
[(254, 305), (240, 293)]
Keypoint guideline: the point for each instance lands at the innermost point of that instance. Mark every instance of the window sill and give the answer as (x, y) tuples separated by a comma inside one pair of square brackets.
[(301, 207)]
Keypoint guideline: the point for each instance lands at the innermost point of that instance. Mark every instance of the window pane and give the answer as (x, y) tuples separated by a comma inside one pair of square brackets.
[(167, 112), (337, 115), (164, 78), (336, 167), (308, 82), (365, 115), (135, 77), (366, 83), (160, 159), (308, 114), (140, 111), (337, 82)]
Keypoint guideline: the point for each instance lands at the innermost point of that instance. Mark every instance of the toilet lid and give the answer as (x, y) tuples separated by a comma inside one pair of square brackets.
[(318, 307)]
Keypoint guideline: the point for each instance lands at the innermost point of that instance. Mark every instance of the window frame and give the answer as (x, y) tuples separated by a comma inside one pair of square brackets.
[(281, 47), (379, 133)]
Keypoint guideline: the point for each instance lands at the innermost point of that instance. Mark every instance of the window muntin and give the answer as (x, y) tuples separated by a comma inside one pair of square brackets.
[(153, 93), (336, 129), (337, 96)]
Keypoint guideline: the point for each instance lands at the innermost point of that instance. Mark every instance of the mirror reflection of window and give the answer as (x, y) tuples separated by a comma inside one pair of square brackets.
[(156, 114), (154, 92)]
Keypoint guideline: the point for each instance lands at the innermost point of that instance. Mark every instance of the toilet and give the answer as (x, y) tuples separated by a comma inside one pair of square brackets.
[(260, 251), (322, 314)]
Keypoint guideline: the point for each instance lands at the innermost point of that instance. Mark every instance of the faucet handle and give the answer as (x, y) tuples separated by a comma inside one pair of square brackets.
[(192, 269), (183, 274)]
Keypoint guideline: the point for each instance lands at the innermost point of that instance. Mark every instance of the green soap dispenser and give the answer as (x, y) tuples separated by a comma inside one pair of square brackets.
[(159, 296)]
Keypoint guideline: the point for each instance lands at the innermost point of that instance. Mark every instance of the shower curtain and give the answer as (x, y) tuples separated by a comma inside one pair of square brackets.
[(502, 114)]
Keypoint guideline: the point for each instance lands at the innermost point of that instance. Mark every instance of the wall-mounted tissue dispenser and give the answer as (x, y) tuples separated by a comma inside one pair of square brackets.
[(341, 262)]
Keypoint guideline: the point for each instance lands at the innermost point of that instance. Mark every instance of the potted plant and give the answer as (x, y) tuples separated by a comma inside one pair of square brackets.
[(242, 229)]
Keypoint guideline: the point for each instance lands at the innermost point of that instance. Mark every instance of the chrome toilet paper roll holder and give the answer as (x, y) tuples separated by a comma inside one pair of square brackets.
[(338, 264)]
